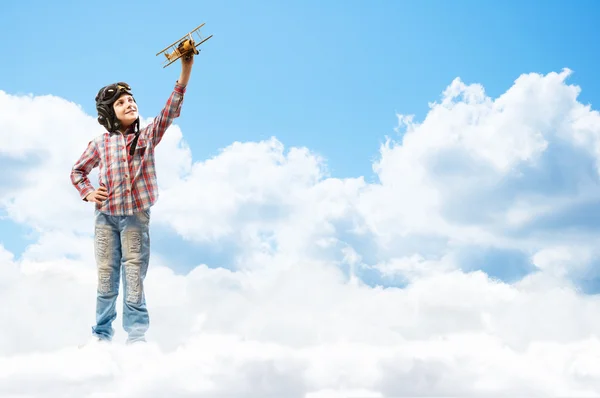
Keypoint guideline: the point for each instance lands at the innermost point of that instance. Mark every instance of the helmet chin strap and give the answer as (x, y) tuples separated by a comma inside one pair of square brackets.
[(136, 129)]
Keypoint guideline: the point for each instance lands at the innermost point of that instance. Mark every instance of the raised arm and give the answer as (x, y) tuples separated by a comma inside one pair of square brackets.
[(172, 108)]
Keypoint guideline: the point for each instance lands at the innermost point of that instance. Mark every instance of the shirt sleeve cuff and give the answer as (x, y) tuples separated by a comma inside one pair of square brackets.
[(85, 192), (179, 88)]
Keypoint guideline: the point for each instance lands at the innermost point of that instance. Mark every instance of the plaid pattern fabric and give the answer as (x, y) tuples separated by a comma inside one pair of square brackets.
[(130, 180)]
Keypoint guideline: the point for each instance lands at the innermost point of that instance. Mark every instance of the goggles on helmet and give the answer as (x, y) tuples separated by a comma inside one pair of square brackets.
[(112, 92)]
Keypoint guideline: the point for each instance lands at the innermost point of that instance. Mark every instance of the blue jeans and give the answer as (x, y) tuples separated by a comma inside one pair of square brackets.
[(122, 250)]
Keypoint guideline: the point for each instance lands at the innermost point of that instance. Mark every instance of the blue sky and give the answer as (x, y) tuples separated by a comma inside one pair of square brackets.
[(327, 75), (330, 76)]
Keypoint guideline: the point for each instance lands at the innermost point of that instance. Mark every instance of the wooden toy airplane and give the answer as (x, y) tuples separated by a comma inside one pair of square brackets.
[(183, 47)]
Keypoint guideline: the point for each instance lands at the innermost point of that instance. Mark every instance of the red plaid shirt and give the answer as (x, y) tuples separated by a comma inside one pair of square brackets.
[(130, 180)]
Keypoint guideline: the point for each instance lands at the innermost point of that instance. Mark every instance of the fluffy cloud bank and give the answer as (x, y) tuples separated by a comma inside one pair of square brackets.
[(465, 270)]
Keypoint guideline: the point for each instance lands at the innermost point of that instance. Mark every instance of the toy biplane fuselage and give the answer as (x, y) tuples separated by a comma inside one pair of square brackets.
[(183, 47)]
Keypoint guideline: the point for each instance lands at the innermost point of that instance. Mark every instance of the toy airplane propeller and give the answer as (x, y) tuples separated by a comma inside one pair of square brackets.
[(183, 47)]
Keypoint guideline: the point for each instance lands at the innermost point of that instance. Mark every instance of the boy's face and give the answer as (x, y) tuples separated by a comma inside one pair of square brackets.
[(126, 110)]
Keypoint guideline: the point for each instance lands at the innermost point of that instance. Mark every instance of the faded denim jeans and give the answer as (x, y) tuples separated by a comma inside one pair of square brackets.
[(122, 250)]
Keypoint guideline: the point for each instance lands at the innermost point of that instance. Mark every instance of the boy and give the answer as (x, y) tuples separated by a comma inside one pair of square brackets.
[(127, 190)]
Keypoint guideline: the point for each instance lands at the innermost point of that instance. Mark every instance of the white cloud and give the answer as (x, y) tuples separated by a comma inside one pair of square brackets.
[(479, 184), (43, 136), (217, 332), (479, 170)]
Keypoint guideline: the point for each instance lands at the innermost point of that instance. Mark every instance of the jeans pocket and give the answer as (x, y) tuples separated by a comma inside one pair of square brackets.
[(144, 216)]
